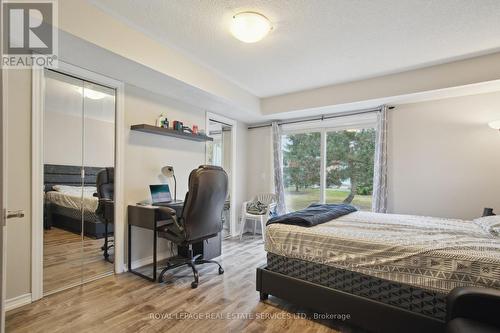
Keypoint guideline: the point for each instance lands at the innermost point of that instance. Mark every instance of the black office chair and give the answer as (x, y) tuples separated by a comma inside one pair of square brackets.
[(201, 216), (105, 183), (473, 309)]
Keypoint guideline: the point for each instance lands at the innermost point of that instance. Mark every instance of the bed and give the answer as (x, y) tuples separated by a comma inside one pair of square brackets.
[(63, 200), (391, 272)]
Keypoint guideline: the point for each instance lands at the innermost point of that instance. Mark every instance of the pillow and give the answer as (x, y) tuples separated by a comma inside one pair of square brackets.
[(75, 190), (490, 224)]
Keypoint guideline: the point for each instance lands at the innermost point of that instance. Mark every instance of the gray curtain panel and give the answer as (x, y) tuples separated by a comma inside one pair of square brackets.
[(379, 202), (278, 169)]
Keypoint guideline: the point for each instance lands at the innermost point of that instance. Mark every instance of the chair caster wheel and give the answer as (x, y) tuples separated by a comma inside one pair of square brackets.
[(194, 285), (221, 271)]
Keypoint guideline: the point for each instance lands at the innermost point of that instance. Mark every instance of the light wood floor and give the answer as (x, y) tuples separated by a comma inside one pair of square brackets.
[(62, 259), (128, 303)]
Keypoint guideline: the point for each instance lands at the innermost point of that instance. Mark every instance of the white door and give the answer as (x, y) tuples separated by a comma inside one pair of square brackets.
[(2, 206), (5, 214)]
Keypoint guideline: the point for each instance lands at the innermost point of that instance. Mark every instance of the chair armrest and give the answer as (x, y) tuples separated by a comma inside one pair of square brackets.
[(168, 211), (172, 215), (479, 304), (244, 206)]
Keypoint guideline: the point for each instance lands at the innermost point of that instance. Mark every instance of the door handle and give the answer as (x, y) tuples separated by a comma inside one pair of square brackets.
[(9, 214)]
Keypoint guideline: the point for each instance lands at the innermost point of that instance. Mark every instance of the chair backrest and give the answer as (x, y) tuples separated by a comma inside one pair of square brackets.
[(266, 198), (105, 184), (202, 212)]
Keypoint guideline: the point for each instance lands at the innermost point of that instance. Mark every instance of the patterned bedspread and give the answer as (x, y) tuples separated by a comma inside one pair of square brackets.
[(432, 253), (73, 201)]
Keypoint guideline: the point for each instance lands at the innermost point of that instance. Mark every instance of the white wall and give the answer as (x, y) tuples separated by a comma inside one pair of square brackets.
[(443, 158), (146, 154), (63, 140), (260, 162), (363, 93)]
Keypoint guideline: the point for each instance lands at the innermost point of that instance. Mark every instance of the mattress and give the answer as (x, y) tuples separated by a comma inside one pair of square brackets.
[(430, 253), (73, 200), (415, 299)]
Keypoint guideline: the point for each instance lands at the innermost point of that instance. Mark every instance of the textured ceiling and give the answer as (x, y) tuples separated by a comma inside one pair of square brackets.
[(317, 42)]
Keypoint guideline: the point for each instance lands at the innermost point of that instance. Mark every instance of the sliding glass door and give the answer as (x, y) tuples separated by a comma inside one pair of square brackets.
[(329, 164), (301, 169), (78, 144), (349, 167)]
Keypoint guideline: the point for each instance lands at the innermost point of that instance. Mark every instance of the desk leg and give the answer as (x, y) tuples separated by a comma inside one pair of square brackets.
[(130, 248), (155, 237), (153, 279)]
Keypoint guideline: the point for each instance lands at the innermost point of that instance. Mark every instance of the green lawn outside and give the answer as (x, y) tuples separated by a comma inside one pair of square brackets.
[(303, 198)]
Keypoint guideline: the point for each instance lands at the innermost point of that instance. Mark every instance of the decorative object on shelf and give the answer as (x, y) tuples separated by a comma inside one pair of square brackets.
[(195, 129), (200, 137), (186, 129), (177, 125), (160, 120), (168, 171)]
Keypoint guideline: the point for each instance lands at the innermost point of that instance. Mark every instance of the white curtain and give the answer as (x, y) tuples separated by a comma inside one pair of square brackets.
[(379, 202), (278, 169)]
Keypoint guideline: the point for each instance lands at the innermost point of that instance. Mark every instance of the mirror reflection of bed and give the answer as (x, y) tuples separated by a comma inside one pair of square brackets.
[(79, 134)]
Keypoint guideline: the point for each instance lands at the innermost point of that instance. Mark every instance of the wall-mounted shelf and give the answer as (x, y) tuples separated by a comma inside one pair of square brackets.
[(170, 132)]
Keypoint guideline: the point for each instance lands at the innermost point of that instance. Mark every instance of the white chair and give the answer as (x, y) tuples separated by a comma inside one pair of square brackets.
[(268, 199)]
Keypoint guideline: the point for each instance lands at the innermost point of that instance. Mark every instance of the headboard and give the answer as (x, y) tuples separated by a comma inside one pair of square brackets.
[(54, 174)]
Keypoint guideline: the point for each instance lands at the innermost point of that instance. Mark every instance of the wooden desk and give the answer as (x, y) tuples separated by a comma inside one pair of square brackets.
[(147, 217), (151, 218)]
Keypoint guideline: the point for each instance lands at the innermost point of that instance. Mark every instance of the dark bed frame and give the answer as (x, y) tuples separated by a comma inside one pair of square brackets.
[(365, 313), (70, 175)]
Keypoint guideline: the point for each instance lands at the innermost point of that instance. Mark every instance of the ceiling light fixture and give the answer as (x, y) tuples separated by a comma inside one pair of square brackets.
[(494, 124), (91, 93), (250, 27)]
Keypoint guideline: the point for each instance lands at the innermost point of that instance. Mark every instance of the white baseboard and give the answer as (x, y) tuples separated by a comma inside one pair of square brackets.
[(149, 260), (15, 302)]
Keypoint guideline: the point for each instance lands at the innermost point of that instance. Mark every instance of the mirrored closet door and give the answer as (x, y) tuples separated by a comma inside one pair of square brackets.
[(79, 159), (219, 153)]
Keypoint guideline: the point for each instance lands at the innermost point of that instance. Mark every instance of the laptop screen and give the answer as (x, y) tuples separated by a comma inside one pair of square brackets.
[(160, 193)]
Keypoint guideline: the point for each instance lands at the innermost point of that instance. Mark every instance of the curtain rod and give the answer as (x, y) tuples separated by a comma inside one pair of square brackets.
[(323, 117)]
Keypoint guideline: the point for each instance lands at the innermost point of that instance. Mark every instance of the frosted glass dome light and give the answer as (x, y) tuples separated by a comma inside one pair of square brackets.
[(250, 27), (494, 124)]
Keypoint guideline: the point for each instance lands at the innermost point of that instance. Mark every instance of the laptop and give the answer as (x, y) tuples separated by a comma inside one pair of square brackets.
[(160, 194)]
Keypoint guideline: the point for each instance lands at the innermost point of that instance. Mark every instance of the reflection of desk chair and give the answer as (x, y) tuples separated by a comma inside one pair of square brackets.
[(201, 216), (105, 210)]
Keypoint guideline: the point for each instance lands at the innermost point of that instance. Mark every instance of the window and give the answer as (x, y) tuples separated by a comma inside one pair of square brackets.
[(329, 162)]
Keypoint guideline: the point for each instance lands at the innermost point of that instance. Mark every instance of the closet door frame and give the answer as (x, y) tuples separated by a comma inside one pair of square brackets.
[(37, 114)]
